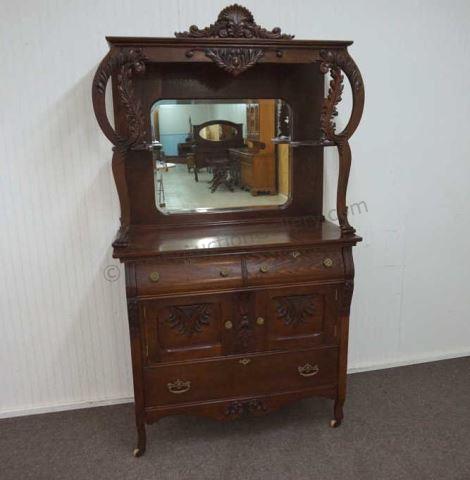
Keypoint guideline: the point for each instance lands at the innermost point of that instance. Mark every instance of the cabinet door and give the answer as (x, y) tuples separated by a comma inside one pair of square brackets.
[(302, 317), (185, 327)]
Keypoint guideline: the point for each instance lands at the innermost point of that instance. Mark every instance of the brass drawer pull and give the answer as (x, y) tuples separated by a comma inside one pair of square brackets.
[(154, 277), (179, 386), (264, 269), (308, 370), (244, 361), (328, 262), (295, 254), (260, 321), (224, 272), (228, 325)]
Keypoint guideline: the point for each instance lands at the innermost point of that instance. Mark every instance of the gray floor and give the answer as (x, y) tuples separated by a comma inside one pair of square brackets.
[(182, 192), (408, 423)]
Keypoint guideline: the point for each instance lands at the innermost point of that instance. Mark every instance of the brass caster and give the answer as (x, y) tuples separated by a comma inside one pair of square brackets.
[(335, 423), (138, 452)]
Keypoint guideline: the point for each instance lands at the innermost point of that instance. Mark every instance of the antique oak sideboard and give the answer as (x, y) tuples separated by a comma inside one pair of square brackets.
[(233, 311)]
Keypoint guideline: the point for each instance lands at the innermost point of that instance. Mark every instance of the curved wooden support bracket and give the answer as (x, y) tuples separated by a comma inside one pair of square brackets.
[(336, 62), (344, 151), (125, 63), (119, 174)]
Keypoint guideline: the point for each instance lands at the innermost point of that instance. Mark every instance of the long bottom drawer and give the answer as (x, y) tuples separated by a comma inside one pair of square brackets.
[(239, 376)]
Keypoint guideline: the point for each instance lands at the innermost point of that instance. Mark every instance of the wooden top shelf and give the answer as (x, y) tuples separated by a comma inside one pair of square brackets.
[(285, 43)]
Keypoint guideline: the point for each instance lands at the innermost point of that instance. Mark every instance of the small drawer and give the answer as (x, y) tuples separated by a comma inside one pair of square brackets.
[(188, 274), (294, 265), (240, 376)]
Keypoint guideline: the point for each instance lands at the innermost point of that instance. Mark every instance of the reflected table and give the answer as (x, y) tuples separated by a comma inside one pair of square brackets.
[(161, 167)]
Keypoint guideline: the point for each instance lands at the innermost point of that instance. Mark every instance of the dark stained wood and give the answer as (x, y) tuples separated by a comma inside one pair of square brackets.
[(234, 21), (301, 317), (148, 241), (183, 274), (135, 330), (284, 266), (185, 328), (167, 42), (233, 312), (223, 410), (239, 376)]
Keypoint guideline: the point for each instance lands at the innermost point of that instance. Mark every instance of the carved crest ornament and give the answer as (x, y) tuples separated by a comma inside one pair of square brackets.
[(234, 21)]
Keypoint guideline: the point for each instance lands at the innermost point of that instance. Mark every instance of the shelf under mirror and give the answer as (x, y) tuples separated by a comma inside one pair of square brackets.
[(302, 143)]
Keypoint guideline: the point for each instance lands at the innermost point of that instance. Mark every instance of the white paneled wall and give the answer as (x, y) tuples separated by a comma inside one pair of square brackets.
[(63, 325)]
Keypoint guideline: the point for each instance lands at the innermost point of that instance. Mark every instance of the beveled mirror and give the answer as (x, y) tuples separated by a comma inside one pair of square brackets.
[(219, 154)]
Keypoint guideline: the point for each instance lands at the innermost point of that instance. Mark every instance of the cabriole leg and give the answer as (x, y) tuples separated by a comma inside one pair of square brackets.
[(337, 413), (141, 441)]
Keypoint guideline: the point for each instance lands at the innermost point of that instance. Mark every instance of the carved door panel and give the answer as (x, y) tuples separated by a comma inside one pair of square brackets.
[(185, 328), (245, 332), (301, 317)]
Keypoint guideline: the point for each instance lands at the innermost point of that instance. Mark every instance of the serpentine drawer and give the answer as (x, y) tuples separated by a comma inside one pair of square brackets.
[(239, 376), (294, 265), (188, 274)]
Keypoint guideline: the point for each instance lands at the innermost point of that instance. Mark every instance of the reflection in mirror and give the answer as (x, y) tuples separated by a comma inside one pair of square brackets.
[(218, 132), (220, 154)]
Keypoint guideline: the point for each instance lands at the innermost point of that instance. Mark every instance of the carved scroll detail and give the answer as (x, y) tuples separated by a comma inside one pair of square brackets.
[(125, 63), (244, 335), (329, 110), (189, 319), (335, 62), (295, 310), (248, 407), (234, 21), (283, 119), (234, 60)]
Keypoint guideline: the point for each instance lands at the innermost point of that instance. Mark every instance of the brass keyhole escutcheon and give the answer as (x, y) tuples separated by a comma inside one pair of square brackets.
[(328, 262), (244, 361), (264, 268), (260, 321), (154, 276), (228, 325), (224, 272)]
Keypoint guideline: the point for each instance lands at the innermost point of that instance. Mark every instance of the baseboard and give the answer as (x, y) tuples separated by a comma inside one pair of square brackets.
[(409, 361), (64, 407), (355, 369)]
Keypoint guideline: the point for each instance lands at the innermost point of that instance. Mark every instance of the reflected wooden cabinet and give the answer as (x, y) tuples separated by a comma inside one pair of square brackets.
[(234, 311), (257, 170), (258, 162)]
